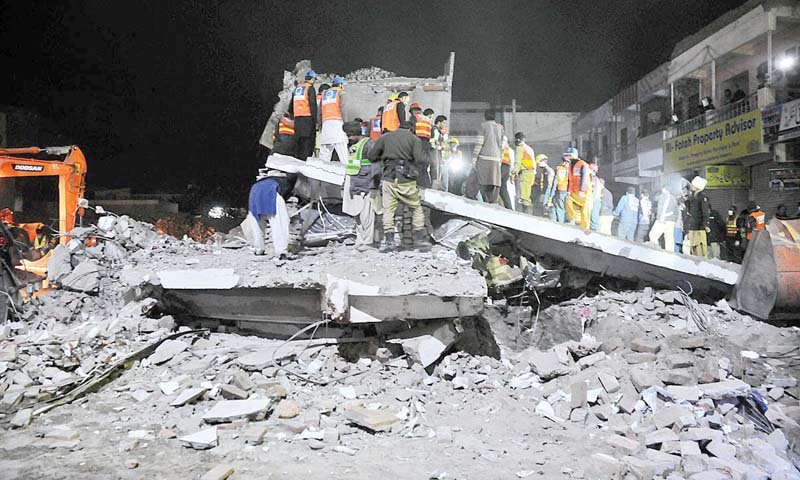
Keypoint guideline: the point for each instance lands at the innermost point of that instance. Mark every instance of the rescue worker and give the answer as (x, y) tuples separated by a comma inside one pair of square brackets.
[(597, 197), (561, 190), (375, 129), (453, 163), (332, 137), (606, 209), (266, 201), (41, 242), (716, 226), (284, 142), (578, 203), (488, 155), (422, 127), (399, 151), (394, 113), (730, 252), (361, 197), (645, 214), (697, 218), (441, 148), (547, 177), (628, 212), (666, 213), (756, 220), (303, 109), (524, 172), (506, 160)]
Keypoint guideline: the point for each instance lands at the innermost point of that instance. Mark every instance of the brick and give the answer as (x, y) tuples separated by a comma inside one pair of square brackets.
[(644, 345), (623, 443)]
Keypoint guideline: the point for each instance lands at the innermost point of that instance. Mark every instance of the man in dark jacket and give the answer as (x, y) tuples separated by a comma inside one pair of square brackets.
[(716, 226), (399, 151), (698, 213), (303, 107), (361, 198), (666, 213)]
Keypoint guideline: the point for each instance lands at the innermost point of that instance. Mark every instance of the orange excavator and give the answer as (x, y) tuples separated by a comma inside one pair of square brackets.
[(70, 169)]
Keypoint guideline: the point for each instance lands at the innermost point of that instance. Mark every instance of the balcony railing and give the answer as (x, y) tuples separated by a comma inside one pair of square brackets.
[(720, 114)]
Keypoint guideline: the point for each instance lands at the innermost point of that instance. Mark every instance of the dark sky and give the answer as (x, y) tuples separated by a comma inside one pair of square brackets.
[(161, 92)]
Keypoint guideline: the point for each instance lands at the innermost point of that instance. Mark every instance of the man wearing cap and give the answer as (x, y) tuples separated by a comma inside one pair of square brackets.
[(524, 172), (698, 213), (394, 113), (266, 201), (560, 191), (547, 177), (303, 108), (756, 220), (332, 137)]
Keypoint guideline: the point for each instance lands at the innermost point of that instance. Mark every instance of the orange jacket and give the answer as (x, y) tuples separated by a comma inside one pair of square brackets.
[(301, 104), (331, 104), (423, 125), (285, 126), (375, 127), (579, 177), (390, 121)]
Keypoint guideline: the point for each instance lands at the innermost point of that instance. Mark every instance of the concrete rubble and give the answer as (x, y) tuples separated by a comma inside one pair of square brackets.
[(623, 384)]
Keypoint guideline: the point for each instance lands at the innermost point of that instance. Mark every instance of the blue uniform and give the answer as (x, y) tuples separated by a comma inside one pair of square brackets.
[(628, 212)]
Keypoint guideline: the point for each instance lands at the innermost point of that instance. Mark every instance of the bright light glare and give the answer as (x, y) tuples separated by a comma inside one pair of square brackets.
[(216, 212), (786, 63)]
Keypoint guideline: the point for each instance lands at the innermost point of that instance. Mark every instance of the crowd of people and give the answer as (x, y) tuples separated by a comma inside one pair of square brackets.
[(404, 147)]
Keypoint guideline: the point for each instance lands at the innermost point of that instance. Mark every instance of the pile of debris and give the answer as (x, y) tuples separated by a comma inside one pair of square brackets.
[(370, 73)]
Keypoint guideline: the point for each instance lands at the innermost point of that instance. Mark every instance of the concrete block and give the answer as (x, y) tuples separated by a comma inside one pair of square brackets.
[(692, 464), (660, 436), (232, 392), (677, 377), (701, 434), (424, 350), (726, 388), (22, 418), (679, 360), (607, 467), (720, 449), (629, 446), (202, 440), (578, 392), (684, 393), (230, 410), (685, 421), (691, 343), (287, 409), (374, 420), (665, 417), (608, 381), (590, 360), (628, 401), (167, 350), (242, 380), (645, 345), (643, 379), (637, 358), (547, 366), (205, 279), (709, 475), (603, 412), (579, 415), (641, 469), (689, 447), (220, 472), (664, 462)]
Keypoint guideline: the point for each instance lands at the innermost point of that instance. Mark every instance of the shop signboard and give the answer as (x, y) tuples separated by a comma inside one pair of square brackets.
[(790, 115), (727, 176), (721, 142), (784, 179)]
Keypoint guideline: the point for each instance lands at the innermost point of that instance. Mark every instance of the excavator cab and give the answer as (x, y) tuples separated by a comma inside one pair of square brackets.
[(68, 166)]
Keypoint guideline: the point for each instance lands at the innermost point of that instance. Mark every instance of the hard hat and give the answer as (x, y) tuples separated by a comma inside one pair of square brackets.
[(454, 140), (541, 158), (415, 105), (338, 80), (699, 183), (571, 152), (393, 97), (311, 73)]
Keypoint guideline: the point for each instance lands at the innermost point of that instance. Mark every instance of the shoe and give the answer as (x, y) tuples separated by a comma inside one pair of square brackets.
[(388, 243), (421, 241)]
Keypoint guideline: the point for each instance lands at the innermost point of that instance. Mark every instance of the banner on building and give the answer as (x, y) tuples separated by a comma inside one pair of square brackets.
[(722, 142), (727, 176), (790, 115), (784, 179)]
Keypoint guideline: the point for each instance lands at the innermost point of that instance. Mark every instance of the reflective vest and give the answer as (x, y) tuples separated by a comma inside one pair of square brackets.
[(285, 126), (759, 217), (527, 157), (331, 104), (356, 159), (375, 127), (575, 177), (40, 242), (422, 128), (390, 121), (562, 178), (507, 156), (730, 227), (301, 104)]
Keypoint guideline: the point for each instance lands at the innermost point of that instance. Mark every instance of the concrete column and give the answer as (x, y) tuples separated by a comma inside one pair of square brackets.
[(714, 82), (770, 65)]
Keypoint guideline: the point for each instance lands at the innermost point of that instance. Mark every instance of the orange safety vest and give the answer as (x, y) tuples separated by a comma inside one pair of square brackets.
[(422, 128), (527, 157), (759, 217), (301, 104), (285, 126), (507, 156), (375, 127), (575, 177), (390, 121), (332, 104), (730, 226), (562, 178)]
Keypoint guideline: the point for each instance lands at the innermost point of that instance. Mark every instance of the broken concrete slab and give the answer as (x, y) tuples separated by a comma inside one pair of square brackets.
[(220, 472), (623, 443), (683, 393), (546, 365), (665, 417), (726, 388), (201, 279), (578, 395), (167, 350), (373, 420), (232, 392), (202, 440), (85, 278), (660, 436), (424, 349), (22, 418), (609, 382), (720, 449), (187, 396), (644, 345), (230, 410)]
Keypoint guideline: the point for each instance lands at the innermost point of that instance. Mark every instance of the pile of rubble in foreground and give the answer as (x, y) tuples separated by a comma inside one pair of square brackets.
[(654, 385)]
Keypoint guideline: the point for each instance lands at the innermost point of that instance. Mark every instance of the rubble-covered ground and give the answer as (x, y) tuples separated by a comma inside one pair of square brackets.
[(635, 384)]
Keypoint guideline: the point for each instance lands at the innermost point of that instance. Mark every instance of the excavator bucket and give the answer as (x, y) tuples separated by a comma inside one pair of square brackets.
[(770, 275)]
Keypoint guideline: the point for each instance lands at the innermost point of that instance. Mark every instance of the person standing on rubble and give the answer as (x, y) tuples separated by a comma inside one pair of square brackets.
[(716, 227), (400, 151), (628, 212), (756, 220), (361, 197), (732, 241), (394, 113), (697, 218), (488, 153), (666, 212), (547, 177), (284, 141), (375, 129), (578, 203), (332, 137), (524, 172), (507, 161), (561, 190), (266, 201), (303, 108), (597, 196), (422, 126), (645, 215), (441, 149), (606, 209)]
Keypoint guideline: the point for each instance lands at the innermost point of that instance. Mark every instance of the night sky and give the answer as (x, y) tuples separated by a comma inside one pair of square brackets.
[(161, 93)]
